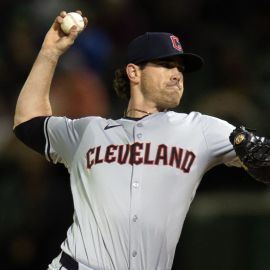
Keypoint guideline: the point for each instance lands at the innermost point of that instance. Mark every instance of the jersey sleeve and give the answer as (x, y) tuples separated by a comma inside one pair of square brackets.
[(62, 137), (216, 133), (31, 133)]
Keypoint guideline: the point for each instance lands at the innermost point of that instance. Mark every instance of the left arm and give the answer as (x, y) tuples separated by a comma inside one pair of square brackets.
[(254, 153)]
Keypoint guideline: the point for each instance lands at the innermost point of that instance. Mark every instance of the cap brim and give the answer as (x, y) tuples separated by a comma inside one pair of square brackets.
[(192, 62)]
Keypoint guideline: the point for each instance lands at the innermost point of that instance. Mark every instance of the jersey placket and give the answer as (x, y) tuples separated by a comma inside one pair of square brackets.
[(136, 182)]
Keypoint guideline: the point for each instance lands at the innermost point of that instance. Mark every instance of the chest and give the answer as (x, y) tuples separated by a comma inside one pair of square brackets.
[(148, 144)]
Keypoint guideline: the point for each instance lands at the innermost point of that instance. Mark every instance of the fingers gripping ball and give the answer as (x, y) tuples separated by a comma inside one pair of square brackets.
[(71, 19)]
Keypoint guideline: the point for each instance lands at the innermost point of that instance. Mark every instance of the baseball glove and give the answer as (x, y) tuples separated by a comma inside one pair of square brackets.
[(253, 151)]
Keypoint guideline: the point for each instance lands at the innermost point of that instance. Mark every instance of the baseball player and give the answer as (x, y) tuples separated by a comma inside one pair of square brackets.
[(132, 179)]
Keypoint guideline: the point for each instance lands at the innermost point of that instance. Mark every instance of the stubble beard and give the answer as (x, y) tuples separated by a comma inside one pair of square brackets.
[(168, 99), (164, 101), (168, 103), (162, 98)]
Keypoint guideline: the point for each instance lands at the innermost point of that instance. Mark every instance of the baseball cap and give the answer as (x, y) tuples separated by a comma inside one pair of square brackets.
[(159, 45)]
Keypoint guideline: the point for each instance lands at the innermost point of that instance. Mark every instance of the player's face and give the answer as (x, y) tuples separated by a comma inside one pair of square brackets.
[(162, 83)]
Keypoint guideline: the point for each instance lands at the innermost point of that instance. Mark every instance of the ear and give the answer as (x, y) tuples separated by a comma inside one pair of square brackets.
[(133, 72)]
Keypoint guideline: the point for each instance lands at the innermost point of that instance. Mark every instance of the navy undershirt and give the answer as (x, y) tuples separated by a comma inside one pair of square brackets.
[(31, 133)]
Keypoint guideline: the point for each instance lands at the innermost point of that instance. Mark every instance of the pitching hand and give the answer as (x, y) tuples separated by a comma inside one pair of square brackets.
[(56, 42)]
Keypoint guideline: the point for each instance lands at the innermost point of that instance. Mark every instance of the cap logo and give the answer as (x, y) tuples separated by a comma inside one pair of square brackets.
[(176, 43)]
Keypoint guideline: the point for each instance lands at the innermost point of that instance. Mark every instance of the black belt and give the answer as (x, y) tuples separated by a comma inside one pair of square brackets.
[(68, 262)]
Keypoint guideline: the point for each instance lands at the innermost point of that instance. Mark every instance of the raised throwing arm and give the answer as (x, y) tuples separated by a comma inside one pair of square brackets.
[(33, 99)]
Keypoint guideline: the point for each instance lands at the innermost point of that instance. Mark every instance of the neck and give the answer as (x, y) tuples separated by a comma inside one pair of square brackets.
[(138, 110), (136, 113)]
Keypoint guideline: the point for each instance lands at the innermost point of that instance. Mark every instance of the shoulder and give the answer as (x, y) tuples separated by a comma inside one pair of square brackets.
[(194, 118), (208, 121), (77, 121), (80, 125), (183, 117)]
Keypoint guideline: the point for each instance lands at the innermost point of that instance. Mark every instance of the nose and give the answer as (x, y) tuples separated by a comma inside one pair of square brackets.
[(176, 75)]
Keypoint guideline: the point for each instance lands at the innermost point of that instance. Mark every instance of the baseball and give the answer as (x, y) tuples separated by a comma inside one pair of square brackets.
[(71, 19)]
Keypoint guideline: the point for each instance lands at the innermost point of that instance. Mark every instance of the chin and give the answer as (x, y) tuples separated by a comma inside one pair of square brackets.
[(174, 105), (169, 105)]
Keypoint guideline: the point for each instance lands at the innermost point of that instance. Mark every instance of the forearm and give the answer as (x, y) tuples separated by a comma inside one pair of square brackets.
[(33, 99)]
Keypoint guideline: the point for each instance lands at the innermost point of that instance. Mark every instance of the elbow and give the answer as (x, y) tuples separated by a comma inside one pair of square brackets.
[(18, 119)]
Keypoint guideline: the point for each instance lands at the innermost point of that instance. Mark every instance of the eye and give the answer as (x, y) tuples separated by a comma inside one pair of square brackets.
[(170, 65), (181, 68), (165, 64)]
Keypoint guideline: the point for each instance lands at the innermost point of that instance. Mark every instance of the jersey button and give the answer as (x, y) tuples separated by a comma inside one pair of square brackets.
[(134, 253), (134, 218), (135, 184), (139, 125), (139, 135)]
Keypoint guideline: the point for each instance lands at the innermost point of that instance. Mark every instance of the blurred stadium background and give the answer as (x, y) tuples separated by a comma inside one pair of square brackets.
[(228, 223)]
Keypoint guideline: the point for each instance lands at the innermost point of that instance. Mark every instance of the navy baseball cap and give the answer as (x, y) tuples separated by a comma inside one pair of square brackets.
[(159, 45)]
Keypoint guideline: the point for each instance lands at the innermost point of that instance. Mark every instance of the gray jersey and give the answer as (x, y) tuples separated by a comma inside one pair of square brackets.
[(133, 181)]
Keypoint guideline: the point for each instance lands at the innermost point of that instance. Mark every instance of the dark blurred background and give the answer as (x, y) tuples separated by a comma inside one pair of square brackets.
[(228, 223)]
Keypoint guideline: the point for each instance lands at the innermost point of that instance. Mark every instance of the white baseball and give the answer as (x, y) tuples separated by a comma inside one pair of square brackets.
[(71, 19)]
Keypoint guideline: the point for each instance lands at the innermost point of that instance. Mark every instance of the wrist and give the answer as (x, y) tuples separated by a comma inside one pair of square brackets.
[(50, 55)]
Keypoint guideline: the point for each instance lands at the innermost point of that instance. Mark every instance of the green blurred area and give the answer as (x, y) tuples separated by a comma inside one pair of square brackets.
[(226, 230)]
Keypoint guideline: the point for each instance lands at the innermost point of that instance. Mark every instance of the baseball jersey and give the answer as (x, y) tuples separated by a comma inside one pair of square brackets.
[(133, 181)]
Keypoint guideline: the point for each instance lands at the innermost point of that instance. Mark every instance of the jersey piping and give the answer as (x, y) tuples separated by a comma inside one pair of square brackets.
[(48, 144)]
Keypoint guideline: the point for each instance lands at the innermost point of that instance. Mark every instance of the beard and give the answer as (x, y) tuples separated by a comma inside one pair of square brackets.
[(168, 101), (164, 96), (167, 97)]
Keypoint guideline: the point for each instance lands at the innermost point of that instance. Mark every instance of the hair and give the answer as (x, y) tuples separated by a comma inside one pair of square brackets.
[(121, 83)]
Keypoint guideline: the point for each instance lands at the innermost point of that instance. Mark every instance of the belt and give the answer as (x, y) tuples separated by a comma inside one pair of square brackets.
[(68, 262)]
